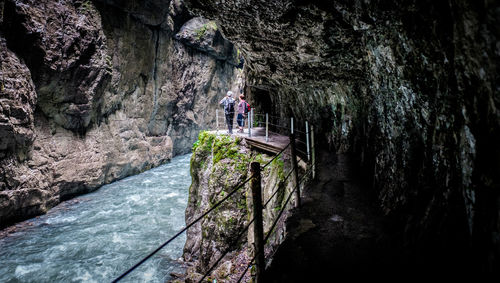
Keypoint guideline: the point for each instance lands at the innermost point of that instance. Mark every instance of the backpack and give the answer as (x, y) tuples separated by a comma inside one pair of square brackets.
[(247, 108), (229, 105)]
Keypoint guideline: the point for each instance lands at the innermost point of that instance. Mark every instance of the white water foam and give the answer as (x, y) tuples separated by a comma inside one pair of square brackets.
[(96, 237)]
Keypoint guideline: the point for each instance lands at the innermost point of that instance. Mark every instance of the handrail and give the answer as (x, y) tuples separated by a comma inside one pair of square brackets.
[(274, 224), (276, 156), (276, 191), (234, 190), (282, 209), (227, 250)]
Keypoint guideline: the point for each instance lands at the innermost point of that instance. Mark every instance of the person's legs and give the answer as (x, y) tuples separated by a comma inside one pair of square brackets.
[(231, 119), (228, 123), (239, 120)]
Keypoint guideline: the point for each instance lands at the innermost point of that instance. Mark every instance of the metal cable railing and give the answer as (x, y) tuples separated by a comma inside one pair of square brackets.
[(258, 119), (274, 223), (235, 241), (277, 190), (296, 134), (286, 203), (236, 188), (276, 156)]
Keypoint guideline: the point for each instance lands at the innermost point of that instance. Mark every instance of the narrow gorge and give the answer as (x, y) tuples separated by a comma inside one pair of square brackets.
[(411, 87), (93, 91)]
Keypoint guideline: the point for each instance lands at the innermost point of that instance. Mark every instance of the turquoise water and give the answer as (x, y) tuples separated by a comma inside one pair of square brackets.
[(98, 236)]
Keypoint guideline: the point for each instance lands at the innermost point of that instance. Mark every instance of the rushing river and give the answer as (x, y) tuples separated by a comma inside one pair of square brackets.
[(98, 236)]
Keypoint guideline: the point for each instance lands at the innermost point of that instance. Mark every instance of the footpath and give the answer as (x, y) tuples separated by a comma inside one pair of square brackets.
[(337, 233)]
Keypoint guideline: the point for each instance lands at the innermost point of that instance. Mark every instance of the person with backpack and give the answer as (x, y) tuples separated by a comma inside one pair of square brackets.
[(228, 104), (243, 107)]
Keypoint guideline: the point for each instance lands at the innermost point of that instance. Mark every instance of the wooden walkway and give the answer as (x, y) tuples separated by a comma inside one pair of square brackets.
[(275, 143)]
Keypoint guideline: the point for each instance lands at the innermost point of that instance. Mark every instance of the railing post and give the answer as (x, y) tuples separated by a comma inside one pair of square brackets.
[(267, 127), (307, 142), (217, 120), (251, 114), (291, 125), (295, 168), (258, 228), (313, 153), (249, 120)]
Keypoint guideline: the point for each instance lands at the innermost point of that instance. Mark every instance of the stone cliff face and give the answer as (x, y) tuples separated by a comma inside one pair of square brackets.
[(218, 164), (93, 91), (412, 86)]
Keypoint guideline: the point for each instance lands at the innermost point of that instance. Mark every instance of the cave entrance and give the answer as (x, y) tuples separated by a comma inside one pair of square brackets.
[(261, 99)]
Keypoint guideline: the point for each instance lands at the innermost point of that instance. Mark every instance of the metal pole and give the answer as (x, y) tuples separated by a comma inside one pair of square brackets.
[(217, 120), (251, 113), (249, 120), (235, 124), (267, 127), (291, 125), (258, 227), (295, 168), (313, 152), (307, 142)]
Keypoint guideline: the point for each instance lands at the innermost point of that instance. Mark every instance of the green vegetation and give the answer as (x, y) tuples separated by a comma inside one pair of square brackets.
[(242, 204), (227, 147), (204, 28), (205, 139), (86, 7), (280, 165), (261, 158), (227, 161), (224, 147), (212, 25), (277, 208), (193, 168), (201, 32)]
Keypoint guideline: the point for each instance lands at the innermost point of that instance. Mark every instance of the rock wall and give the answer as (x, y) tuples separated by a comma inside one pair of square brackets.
[(218, 164), (411, 86), (94, 91)]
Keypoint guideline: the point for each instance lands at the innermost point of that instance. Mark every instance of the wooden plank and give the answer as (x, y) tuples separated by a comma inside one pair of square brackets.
[(274, 145), (267, 147)]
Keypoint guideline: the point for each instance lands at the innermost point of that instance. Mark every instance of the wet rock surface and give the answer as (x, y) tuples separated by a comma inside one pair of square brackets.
[(219, 163), (340, 233), (94, 91), (16, 111), (64, 47), (202, 34), (337, 233), (410, 86)]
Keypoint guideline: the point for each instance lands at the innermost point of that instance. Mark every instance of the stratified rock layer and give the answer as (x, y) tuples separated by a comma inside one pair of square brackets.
[(412, 86), (95, 91)]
